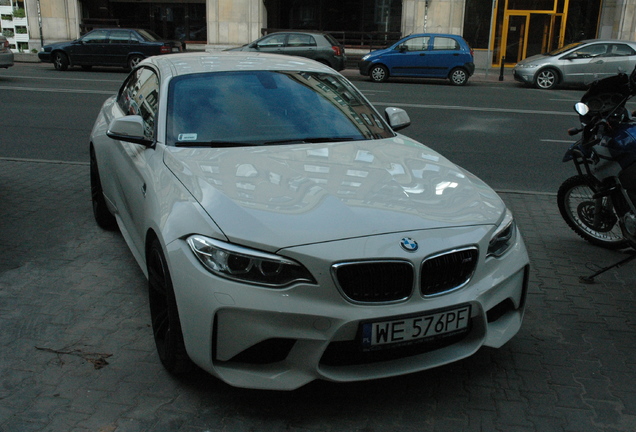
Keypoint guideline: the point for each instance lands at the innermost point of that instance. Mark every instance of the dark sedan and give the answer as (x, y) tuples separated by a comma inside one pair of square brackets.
[(108, 47)]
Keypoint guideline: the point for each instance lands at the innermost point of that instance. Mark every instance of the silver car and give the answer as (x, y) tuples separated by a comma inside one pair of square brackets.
[(318, 46), (6, 55), (579, 63)]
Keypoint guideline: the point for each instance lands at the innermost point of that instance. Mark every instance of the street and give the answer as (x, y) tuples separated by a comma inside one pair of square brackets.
[(76, 347), (491, 129)]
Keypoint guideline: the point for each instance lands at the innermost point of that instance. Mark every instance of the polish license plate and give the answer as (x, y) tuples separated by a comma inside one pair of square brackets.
[(414, 329)]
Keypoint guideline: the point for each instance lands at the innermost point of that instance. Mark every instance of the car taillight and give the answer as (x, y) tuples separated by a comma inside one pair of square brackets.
[(472, 52), (166, 49), (337, 50)]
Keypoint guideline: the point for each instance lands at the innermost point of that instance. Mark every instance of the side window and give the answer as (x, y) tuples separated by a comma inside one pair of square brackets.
[(591, 51), (273, 41), (96, 37), (445, 43), (119, 36), (140, 96), (620, 50), (300, 40), (416, 44)]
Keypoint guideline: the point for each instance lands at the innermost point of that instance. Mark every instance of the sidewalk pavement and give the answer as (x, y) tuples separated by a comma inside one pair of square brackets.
[(77, 353)]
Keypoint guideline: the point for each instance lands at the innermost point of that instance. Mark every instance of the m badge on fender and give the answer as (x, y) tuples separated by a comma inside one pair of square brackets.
[(408, 244)]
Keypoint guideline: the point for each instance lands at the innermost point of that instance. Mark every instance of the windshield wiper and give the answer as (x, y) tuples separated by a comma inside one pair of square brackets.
[(309, 140), (214, 144)]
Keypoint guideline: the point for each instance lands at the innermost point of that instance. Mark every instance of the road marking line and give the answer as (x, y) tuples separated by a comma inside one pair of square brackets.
[(53, 90), (466, 108)]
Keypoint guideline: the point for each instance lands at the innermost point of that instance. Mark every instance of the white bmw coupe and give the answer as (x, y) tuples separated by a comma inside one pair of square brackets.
[(288, 233)]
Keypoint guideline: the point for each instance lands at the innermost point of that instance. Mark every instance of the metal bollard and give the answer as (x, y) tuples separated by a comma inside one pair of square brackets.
[(501, 70)]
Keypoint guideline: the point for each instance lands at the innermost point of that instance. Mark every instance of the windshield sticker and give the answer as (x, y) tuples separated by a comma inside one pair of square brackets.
[(187, 137)]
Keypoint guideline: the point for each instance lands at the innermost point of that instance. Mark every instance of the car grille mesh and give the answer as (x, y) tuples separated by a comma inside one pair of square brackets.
[(448, 271), (375, 282)]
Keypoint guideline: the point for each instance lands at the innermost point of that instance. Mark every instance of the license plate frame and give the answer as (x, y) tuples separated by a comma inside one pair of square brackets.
[(415, 329)]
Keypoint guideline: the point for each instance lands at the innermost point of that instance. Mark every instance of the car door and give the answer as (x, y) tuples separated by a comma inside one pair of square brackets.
[(584, 65), (274, 43), (92, 49), (138, 96), (409, 58), (619, 57), (119, 45), (302, 45), (444, 55)]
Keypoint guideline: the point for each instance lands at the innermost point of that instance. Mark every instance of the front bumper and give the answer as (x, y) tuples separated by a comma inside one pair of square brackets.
[(282, 339), (525, 76), (44, 56)]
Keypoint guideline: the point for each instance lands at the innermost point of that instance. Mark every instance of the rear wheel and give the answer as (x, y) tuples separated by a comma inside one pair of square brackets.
[(546, 79), (166, 325), (134, 60), (60, 61), (379, 73), (458, 76), (578, 208)]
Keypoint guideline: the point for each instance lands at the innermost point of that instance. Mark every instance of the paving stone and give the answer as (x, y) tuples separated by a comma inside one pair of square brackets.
[(70, 287)]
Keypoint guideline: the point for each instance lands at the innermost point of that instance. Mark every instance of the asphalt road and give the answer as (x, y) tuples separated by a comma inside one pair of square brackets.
[(510, 136)]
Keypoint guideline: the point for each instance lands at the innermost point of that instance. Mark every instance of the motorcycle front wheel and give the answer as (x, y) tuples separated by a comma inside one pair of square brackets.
[(578, 208)]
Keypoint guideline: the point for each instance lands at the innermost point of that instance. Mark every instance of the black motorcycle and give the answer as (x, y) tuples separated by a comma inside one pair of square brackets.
[(599, 202)]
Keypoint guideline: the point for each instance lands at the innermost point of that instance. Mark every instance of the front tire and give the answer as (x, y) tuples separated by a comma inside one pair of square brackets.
[(379, 73), (546, 79), (166, 325), (578, 208), (103, 216), (458, 76), (60, 61)]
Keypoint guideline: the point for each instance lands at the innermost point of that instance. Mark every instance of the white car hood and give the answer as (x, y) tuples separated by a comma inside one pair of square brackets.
[(282, 196)]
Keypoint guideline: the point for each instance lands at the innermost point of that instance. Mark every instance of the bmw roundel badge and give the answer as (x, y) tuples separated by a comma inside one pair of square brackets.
[(408, 244)]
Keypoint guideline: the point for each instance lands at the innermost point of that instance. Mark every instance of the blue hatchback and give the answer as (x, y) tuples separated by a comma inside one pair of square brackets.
[(422, 55)]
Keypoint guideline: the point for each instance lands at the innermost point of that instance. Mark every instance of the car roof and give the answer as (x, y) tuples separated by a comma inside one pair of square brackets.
[(221, 61), (606, 41)]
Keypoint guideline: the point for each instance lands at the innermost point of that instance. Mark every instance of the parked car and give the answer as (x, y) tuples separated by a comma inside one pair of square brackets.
[(579, 63), (321, 47), (108, 47), (6, 55), (288, 233), (422, 55)]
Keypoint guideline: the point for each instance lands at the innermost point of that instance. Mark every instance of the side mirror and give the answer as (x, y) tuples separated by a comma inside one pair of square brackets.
[(581, 108), (129, 129), (397, 118)]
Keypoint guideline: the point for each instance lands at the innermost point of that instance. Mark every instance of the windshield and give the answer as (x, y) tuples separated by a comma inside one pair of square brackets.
[(561, 50), (267, 108)]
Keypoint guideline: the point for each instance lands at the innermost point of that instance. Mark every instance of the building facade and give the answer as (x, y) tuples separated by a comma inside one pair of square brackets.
[(504, 30)]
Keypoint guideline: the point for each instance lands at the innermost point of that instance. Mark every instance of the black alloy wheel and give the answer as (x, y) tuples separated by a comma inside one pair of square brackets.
[(166, 325), (60, 61), (102, 215)]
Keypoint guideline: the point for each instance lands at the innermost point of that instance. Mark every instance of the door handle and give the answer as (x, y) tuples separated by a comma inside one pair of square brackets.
[(422, 54)]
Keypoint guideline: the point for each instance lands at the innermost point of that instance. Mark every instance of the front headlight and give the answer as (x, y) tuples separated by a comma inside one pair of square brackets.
[(247, 265), (366, 57), (504, 236)]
